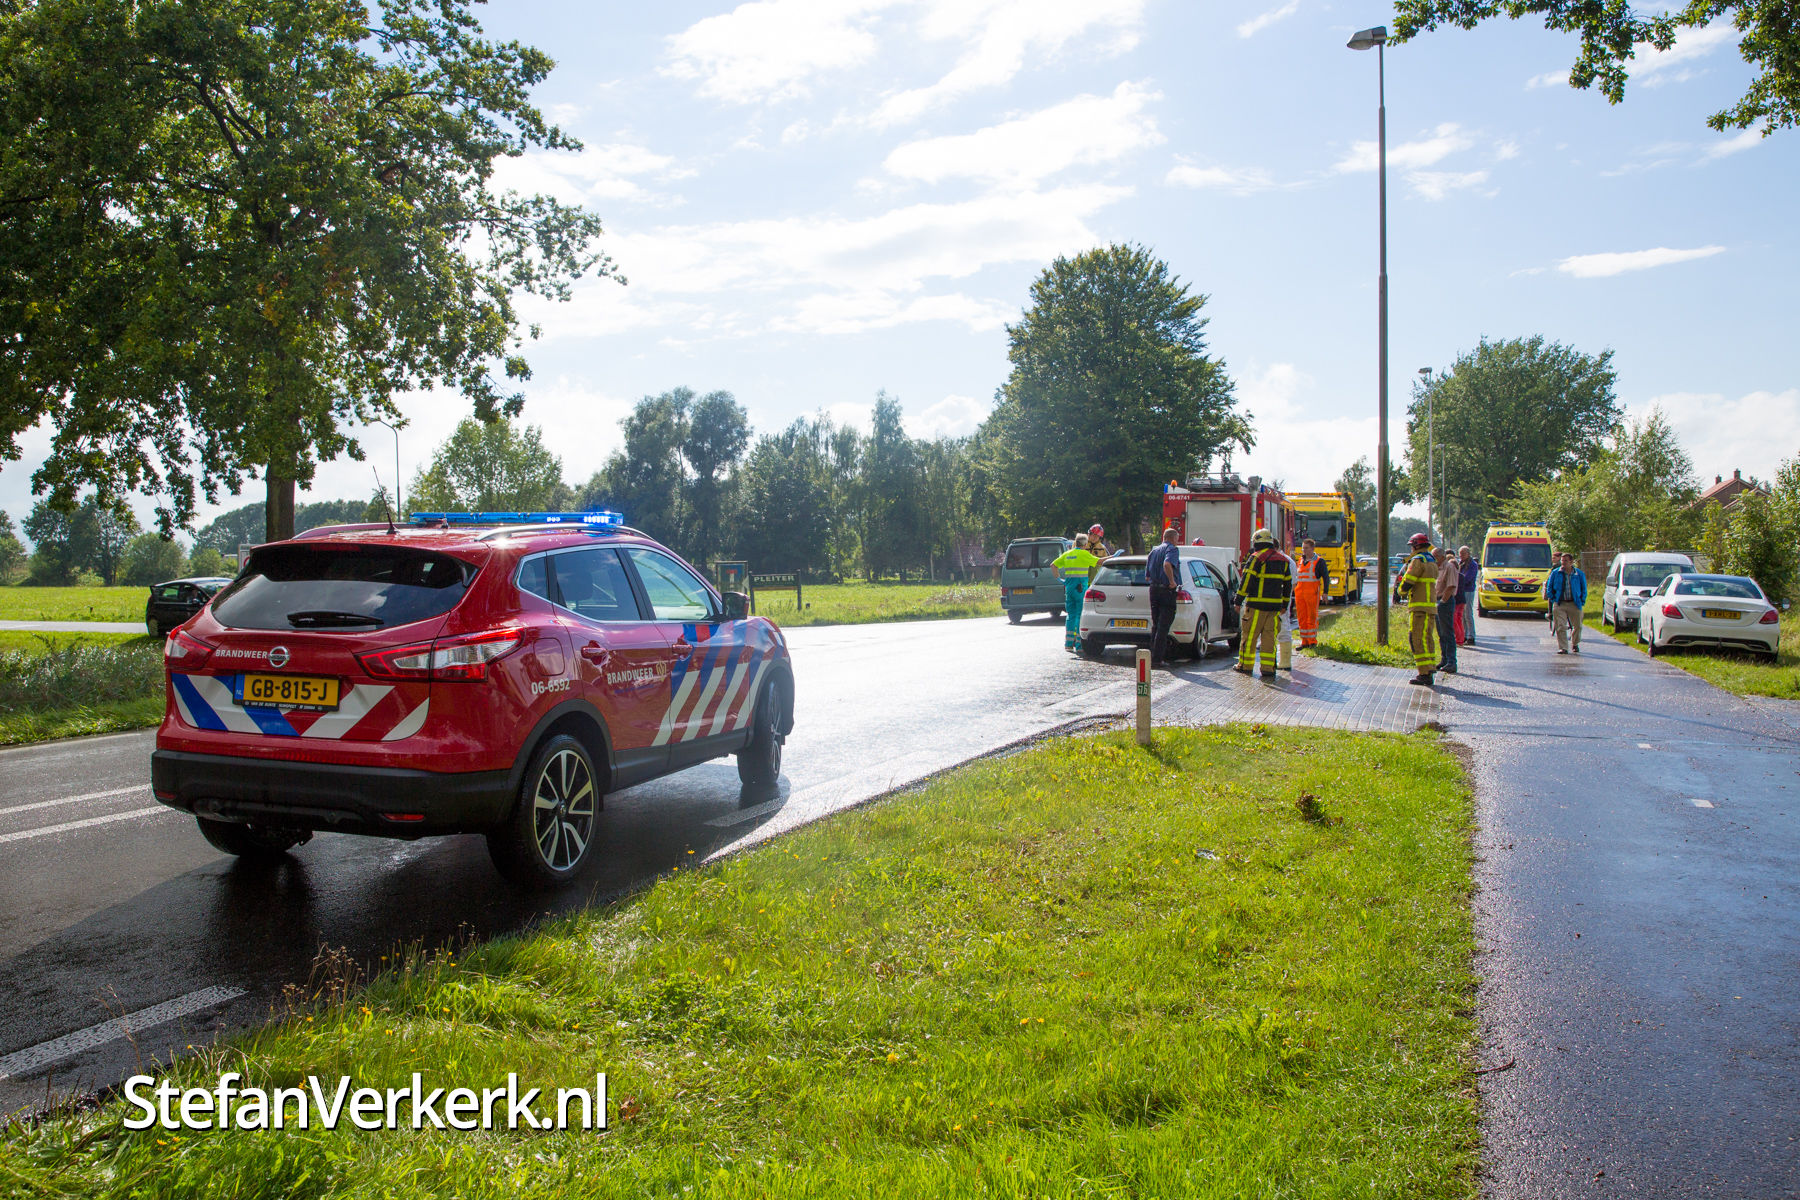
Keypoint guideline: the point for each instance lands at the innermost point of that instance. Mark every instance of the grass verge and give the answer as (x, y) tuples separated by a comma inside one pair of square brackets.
[(66, 685), (1238, 963), (857, 603), (1347, 634), (72, 603), (1734, 670)]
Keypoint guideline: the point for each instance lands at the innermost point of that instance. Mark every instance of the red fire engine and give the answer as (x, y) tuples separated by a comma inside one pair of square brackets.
[(1225, 509)]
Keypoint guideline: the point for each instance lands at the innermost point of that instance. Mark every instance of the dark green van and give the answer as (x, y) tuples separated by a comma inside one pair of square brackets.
[(1028, 582)]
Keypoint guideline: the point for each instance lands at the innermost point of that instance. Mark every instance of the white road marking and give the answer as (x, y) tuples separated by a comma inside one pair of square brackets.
[(47, 830), (746, 814), (23, 1062), (1645, 746), (124, 791), (1699, 803)]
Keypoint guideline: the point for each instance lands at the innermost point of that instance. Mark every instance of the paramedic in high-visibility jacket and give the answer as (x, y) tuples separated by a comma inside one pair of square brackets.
[(1417, 589), (1264, 593)]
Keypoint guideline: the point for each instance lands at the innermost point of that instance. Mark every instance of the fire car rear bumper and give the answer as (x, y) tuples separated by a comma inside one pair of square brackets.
[(383, 801)]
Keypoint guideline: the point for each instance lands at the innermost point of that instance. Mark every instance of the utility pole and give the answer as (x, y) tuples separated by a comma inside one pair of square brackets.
[(1430, 456)]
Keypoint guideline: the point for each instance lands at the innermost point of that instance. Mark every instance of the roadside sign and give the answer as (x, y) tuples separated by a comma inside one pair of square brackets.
[(731, 576), (778, 582)]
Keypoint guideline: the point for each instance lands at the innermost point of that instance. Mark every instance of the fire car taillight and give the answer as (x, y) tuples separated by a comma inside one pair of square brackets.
[(468, 657), (185, 651), (1095, 596), (464, 657)]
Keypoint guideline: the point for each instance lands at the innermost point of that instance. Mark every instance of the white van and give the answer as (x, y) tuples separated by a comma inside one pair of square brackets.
[(1633, 576)]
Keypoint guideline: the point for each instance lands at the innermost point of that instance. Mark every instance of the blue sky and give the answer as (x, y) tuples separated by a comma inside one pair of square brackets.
[(814, 200)]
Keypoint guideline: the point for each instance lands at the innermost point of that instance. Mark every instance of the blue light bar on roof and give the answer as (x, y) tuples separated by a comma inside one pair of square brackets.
[(585, 520)]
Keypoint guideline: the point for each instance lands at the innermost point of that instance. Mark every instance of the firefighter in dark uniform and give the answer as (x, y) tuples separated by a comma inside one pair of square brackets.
[(1264, 593)]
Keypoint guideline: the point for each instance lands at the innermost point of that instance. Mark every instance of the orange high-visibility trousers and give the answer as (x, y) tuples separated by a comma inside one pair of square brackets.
[(1306, 611)]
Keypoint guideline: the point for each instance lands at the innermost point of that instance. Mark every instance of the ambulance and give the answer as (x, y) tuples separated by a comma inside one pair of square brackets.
[(1515, 561)]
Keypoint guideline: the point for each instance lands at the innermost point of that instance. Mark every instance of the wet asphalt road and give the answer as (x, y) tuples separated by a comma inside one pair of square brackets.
[(1639, 923), (130, 908)]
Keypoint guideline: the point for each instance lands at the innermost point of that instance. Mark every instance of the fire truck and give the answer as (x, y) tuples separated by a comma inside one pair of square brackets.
[(1225, 509), (1329, 519)]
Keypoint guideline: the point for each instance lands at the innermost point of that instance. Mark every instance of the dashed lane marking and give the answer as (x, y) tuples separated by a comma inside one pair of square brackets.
[(24, 1062), (66, 826), (1697, 802), (124, 791)]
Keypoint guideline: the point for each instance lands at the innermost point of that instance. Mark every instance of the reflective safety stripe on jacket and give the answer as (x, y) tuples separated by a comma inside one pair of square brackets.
[(1268, 582), (1306, 575), (1421, 579)]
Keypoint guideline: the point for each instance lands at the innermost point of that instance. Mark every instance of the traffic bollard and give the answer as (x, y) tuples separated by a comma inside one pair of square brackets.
[(1143, 697)]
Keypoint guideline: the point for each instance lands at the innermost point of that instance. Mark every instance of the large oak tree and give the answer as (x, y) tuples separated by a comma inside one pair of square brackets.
[(1111, 395), (230, 230)]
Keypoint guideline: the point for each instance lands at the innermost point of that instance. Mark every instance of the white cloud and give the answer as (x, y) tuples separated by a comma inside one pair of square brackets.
[(1548, 79), (1505, 150), (1735, 145), (953, 416), (770, 50), (825, 273), (603, 172), (1000, 34), (1691, 44), (1303, 442), (1085, 131), (1753, 433), (1445, 140), (1601, 266), (1436, 185), (1257, 24), (1239, 181)]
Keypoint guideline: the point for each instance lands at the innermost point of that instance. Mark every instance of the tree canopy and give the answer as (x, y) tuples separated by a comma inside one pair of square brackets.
[(1635, 494), (1111, 395), (231, 229), (489, 466), (1508, 413), (1612, 34)]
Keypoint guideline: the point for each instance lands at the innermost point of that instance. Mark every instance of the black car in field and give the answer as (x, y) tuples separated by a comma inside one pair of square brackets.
[(172, 603)]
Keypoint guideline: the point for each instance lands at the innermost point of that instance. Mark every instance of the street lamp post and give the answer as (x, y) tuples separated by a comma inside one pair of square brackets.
[(396, 434), (1377, 38), (1430, 451)]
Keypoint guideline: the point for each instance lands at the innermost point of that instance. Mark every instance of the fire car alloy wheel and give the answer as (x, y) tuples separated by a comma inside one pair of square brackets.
[(551, 836)]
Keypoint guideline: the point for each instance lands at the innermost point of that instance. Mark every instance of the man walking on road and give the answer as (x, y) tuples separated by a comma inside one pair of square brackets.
[(1263, 595), (1566, 590), (1161, 572), (1415, 588), (1449, 588)]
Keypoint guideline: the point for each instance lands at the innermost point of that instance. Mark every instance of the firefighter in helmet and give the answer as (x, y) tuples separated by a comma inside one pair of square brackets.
[(1416, 588), (1264, 592), (1096, 544)]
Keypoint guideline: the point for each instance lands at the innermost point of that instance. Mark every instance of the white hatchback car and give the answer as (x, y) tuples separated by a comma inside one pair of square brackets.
[(1117, 607), (1632, 576), (1709, 610)]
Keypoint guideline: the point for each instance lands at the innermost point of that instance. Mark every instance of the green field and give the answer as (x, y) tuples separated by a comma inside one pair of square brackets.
[(73, 603), (57, 685), (852, 603), (1733, 670), (1348, 635), (1236, 964), (857, 603)]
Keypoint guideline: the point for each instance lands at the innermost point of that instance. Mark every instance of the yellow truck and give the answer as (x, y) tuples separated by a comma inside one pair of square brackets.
[(1329, 519), (1515, 561)]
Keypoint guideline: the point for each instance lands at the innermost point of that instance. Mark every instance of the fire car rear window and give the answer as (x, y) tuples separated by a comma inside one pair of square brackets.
[(342, 588)]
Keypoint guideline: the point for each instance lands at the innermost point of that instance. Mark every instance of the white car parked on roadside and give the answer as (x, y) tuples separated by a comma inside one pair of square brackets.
[(1117, 608), (1728, 611), (1632, 576)]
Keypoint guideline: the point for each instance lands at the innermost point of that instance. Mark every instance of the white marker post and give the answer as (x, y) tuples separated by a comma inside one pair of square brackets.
[(1143, 697)]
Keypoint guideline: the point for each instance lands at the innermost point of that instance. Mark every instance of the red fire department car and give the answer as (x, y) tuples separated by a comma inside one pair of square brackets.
[(492, 672)]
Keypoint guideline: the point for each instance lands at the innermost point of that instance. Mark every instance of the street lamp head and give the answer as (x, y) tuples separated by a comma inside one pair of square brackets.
[(1368, 39), (1426, 372)]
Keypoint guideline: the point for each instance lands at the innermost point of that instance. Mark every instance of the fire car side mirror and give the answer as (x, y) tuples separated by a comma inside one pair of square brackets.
[(737, 606)]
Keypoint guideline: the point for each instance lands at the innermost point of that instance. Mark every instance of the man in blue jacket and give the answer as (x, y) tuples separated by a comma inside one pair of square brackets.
[(1566, 590)]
